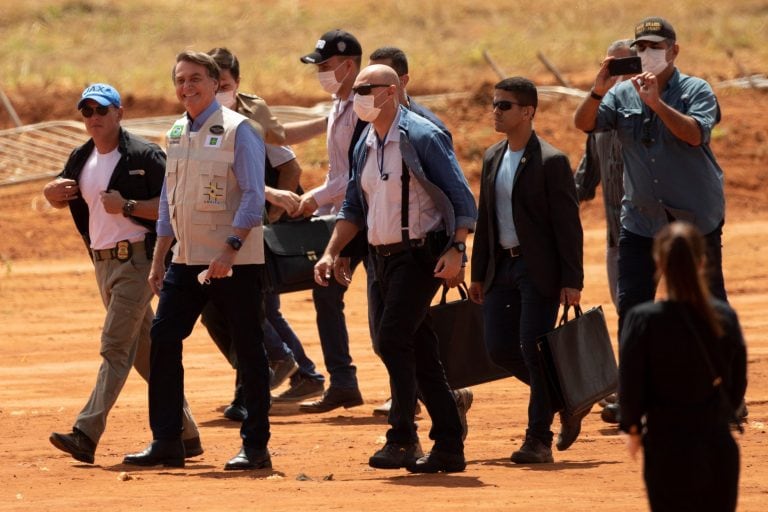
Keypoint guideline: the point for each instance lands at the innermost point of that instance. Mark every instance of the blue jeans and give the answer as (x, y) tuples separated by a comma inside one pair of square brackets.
[(515, 314), (182, 299), (637, 270), (277, 332), (332, 329), (410, 350)]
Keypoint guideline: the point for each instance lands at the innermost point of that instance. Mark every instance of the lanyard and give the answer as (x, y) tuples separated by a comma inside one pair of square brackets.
[(380, 157)]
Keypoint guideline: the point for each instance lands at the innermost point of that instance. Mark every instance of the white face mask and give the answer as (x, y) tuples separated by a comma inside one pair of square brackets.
[(328, 80), (227, 98), (363, 106), (654, 60)]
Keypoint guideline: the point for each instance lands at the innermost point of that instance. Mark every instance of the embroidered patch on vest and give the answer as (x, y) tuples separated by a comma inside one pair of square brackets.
[(213, 194), (213, 141), (217, 129)]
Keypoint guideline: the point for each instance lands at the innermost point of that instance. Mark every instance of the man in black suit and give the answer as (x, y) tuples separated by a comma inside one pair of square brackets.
[(527, 256)]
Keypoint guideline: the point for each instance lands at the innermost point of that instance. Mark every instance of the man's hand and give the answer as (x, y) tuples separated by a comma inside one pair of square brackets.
[(324, 269), (457, 280), (604, 81), (647, 87), (307, 205), (221, 265), (570, 296), (60, 191), (282, 200), (449, 264), (156, 275), (342, 270), (113, 201), (634, 443), (476, 293)]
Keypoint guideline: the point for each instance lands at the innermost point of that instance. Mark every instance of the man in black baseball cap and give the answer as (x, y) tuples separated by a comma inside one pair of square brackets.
[(335, 42)]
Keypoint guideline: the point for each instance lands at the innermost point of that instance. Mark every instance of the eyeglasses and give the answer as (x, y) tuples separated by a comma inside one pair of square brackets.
[(504, 105), (88, 111), (365, 89)]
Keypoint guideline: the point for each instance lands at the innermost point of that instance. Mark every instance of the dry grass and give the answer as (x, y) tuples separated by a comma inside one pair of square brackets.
[(68, 43)]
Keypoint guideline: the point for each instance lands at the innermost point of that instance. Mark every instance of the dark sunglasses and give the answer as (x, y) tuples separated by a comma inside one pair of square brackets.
[(88, 111), (365, 89), (505, 105)]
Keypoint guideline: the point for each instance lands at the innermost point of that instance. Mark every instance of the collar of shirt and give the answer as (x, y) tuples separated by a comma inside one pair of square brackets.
[(198, 122)]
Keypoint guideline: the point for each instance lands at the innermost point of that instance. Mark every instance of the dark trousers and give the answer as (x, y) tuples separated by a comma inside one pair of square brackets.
[(182, 299), (410, 350), (637, 270), (515, 314), (332, 330)]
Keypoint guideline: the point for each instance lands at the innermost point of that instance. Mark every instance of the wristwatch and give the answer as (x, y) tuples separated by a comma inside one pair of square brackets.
[(234, 242), (459, 246), (128, 207)]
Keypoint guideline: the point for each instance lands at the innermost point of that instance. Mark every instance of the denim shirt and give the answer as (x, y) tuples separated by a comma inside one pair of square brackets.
[(428, 154), (665, 177)]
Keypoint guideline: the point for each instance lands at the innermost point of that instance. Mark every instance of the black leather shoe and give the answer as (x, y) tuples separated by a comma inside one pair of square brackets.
[(533, 451), (610, 413), (437, 461), (301, 388), (192, 447), (570, 428), (169, 453), (250, 458), (396, 456), (282, 369), (333, 399), (77, 444), (236, 412)]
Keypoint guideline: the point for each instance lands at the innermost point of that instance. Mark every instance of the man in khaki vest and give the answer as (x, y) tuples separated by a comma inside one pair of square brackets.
[(212, 204)]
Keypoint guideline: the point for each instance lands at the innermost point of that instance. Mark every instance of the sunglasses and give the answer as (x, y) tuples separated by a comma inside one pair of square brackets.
[(504, 105), (88, 111), (365, 89)]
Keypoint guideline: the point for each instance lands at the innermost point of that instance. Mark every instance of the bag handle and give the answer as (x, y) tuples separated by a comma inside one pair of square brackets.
[(564, 317), (463, 291)]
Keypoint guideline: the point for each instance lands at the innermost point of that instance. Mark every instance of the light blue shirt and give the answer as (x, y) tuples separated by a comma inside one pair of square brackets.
[(505, 181), (248, 169)]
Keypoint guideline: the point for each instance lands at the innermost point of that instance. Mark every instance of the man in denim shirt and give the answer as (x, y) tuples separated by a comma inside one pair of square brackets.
[(664, 120), (409, 194)]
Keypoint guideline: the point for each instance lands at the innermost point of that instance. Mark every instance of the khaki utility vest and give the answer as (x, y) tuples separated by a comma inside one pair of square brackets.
[(203, 194)]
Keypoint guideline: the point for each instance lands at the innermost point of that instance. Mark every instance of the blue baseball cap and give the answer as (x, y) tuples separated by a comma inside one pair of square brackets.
[(103, 94)]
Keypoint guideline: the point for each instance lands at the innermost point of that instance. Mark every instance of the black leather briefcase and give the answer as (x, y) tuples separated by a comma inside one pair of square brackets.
[(459, 327), (291, 250), (578, 360)]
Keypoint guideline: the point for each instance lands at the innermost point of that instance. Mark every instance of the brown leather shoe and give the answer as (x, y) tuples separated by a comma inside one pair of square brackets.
[(77, 444), (396, 456), (333, 399), (533, 451)]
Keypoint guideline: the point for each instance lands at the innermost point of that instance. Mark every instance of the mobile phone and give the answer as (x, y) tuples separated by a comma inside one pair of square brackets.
[(625, 66)]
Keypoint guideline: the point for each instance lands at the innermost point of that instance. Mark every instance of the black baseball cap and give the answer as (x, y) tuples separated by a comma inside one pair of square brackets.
[(654, 29), (335, 42)]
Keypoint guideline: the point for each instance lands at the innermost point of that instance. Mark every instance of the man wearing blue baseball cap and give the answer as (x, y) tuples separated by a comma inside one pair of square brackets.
[(111, 185)]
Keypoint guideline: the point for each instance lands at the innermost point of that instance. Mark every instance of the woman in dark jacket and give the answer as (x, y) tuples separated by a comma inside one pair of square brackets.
[(683, 372)]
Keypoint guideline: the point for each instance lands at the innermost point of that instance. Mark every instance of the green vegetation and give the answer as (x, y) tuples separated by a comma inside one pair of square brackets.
[(68, 43)]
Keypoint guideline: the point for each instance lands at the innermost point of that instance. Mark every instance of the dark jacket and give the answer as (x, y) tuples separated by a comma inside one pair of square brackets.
[(138, 175), (546, 215)]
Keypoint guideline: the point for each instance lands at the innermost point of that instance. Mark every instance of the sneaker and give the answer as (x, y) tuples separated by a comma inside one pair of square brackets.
[(333, 399), (383, 409), (282, 369), (301, 389), (396, 456), (464, 398), (533, 451), (77, 444)]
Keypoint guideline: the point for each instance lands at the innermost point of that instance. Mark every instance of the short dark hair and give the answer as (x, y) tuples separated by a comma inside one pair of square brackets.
[(226, 60), (395, 55), (523, 89), (203, 59)]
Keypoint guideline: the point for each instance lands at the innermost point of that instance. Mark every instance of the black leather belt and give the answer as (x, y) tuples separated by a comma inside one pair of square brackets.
[(390, 249), (122, 251), (513, 252)]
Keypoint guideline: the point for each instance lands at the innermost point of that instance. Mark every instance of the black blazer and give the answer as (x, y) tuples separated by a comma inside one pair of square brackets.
[(546, 214)]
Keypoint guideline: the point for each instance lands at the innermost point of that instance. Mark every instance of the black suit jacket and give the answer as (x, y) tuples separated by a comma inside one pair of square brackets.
[(546, 215)]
